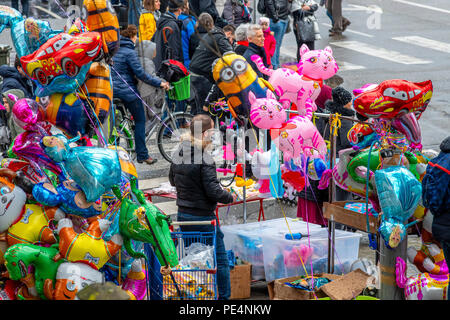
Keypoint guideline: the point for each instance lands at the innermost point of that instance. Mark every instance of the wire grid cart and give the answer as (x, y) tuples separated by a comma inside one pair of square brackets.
[(195, 283)]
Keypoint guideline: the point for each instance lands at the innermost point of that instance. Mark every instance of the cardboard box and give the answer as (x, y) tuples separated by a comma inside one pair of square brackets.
[(240, 280), (348, 286), (344, 287), (278, 290)]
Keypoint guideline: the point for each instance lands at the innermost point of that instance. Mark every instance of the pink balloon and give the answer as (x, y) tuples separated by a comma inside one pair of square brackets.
[(299, 136), (28, 113), (267, 113), (409, 126)]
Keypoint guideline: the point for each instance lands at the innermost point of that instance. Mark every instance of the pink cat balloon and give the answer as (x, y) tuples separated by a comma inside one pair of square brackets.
[(296, 87), (300, 136), (424, 286), (267, 113)]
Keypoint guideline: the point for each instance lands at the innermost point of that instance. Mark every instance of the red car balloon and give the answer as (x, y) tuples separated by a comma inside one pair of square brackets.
[(62, 54), (394, 98)]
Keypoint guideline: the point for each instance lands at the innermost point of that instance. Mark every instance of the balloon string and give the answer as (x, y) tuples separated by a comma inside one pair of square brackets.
[(142, 100), (99, 132), (281, 208)]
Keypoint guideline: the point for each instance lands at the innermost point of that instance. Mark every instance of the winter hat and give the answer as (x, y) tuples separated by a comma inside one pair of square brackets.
[(341, 96), (264, 19)]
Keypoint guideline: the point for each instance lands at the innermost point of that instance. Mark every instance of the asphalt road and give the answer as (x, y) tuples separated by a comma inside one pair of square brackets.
[(388, 39)]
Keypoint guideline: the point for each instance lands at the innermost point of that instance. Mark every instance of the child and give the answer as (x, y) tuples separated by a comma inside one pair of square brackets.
[(148, 18), (270, 43)]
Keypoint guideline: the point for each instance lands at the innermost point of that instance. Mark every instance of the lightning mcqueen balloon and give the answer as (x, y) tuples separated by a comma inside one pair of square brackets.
[(394, 98), (63, 54)]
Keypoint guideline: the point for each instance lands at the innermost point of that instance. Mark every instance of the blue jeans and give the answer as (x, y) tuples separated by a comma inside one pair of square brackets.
[(133, 15), (446, 248), (137, 111), (223, 267), (279, 30), (25, 6)]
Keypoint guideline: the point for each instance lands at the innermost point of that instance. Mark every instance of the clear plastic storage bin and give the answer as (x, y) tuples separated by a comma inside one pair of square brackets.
[(246, 240), (287, 258)]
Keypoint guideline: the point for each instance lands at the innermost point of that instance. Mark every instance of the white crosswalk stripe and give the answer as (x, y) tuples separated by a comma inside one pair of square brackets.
[(347, 66), (378, 52), (425, 43)]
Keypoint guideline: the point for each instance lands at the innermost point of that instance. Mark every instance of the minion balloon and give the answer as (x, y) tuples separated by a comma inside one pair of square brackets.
[(236, 78)]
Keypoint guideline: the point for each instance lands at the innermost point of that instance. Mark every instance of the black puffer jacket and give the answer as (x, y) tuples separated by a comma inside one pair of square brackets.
[(203, 58), (277, 9), (198, 189)]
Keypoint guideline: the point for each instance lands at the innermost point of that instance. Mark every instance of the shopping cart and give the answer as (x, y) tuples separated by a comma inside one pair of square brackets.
[(198, 281)]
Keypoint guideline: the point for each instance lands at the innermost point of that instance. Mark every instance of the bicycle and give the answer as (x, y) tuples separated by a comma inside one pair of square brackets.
[(166, 131)]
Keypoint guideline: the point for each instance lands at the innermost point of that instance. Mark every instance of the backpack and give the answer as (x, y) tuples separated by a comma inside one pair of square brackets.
[(172, 70), (261, 6)]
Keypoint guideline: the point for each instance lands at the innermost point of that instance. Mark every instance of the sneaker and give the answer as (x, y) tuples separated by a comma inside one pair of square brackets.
[(148, 161)]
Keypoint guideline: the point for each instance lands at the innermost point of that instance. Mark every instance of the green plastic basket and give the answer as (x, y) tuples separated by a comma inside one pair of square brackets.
[(181, 89)]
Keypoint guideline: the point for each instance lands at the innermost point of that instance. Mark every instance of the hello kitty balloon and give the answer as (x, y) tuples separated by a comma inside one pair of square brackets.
[(267, 113), (296, 87)]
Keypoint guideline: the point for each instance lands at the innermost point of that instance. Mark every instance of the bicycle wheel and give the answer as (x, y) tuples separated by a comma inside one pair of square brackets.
[(170, 132), (122, 134)]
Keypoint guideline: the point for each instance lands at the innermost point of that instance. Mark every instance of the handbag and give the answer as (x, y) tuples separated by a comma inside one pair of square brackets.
[(305, 28)]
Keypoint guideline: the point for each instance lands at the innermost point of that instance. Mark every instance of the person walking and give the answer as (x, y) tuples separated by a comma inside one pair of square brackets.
[(278, 12), (25, 6), (187, 33), (205, 55), (236, 12), (168, 28), (148, 19), (436, 197), (126, 68), (302, 9), (340, 23), (134, 12), (193, 173)]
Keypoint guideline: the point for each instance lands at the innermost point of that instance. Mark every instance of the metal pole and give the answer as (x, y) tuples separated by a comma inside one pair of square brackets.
[(244, 190), (255, 5), (388, 286), (331, 197)]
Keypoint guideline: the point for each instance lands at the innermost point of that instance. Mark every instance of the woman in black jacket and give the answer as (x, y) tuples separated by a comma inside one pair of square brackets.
[(211, 46), (193, 173)]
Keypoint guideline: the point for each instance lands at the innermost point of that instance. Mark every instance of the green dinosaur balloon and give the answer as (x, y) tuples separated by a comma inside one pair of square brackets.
[(20, 256), (146, 223)]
